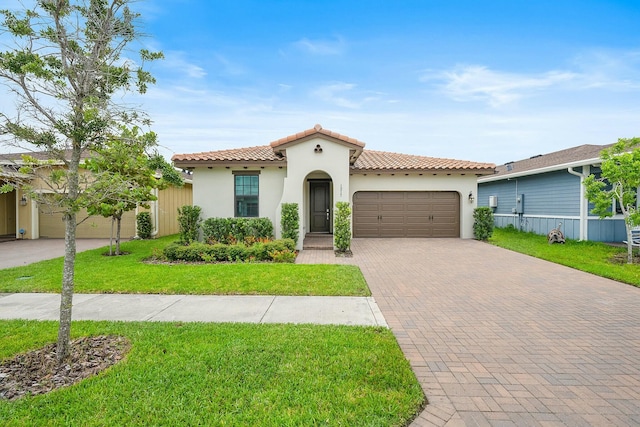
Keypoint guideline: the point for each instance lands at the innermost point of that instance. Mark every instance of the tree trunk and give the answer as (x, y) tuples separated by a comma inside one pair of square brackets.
[(119, 224), (68, 272), (629, 244), (111, 237), (66, 298)]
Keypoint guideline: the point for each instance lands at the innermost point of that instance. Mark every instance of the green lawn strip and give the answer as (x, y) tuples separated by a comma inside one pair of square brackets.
[(226, 374), (592, 257), (96, 273)]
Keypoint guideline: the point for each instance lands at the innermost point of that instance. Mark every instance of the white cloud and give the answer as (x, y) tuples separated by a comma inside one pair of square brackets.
[(176, 61), (616, 70), (321, 47), (476, 82), (334, 93), (229, 67)]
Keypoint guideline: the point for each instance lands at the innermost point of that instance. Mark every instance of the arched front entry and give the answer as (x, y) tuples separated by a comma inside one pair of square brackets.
[(319, 201)]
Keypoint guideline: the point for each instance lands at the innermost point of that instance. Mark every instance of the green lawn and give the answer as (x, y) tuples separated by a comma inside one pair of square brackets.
[(592, 257), (226, 374), (96, 273)]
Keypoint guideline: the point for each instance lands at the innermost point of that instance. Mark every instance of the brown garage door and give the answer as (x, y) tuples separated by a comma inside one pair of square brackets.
[(406, 214)]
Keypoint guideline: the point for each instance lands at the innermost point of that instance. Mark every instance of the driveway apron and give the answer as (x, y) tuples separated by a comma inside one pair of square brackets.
[(500, 338)]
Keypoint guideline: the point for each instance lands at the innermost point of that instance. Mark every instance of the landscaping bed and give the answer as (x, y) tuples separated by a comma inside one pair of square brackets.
[(96, 273), (225, 374)]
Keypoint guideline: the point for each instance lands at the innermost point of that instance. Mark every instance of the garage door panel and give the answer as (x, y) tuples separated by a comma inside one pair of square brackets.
[(417, 219), (392, 219), (391, 207), (391, 195), (406, 214)]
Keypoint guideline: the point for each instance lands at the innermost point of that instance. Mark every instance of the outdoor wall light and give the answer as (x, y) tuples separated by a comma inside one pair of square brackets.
[(318, 149), (471, 198), (23, 201)]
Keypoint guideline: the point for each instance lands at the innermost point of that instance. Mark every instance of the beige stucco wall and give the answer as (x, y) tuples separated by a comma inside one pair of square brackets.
[(213, 191), (462, 184), (304, 162)]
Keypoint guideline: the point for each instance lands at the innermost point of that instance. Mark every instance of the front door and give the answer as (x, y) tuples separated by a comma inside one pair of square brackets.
[(320, 207)]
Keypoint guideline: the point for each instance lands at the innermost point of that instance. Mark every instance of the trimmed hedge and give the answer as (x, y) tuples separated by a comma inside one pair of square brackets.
[(236, 230), (145, 228), (482, 223), (282, 250)]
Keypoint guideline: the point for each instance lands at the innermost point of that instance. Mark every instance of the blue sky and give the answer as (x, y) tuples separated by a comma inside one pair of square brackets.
[(490, 81)]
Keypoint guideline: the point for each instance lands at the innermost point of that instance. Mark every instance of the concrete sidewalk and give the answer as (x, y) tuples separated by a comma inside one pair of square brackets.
[(361, 311)]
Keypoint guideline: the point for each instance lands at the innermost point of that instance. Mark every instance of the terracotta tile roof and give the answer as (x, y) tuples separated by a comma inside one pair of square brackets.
[(261, 154), (562, 157), (363, 160), (317, 129), (371, 160)]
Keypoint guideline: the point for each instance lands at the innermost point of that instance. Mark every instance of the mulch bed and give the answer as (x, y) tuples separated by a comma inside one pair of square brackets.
[(621, 258), (38, 372)]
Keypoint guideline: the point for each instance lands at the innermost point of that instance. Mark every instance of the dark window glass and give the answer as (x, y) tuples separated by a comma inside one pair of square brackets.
[(246, 191)]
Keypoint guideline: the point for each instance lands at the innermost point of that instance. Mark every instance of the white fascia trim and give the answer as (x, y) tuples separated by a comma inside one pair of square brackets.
[(593, 161)]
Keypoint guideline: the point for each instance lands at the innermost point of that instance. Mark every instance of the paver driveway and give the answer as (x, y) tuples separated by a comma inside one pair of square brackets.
[(500, 338)]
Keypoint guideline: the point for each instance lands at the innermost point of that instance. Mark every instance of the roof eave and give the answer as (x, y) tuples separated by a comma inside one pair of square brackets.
[(187, 164), (281, 147), (461, 171), (593, 161)]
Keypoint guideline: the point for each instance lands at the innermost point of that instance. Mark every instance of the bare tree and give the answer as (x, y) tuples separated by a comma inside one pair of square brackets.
[(65, 69)]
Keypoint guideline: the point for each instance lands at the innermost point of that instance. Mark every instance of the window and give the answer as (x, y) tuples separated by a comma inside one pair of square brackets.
[(246, 195)]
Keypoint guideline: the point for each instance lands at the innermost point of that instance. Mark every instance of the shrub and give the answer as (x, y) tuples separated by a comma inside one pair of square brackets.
[(482, 223), (259, 252), (189, 223), (283, 256), (219, 252), (342, 227), (261, 228), (290, 221), (237, 252), (143, 222), (233, 230)]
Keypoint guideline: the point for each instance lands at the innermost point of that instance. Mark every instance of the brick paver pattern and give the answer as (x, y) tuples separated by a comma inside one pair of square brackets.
[(500, 338)]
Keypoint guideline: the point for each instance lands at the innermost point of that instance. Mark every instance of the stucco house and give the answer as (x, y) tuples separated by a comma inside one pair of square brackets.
[(392, 195), (538, 193), (18, 212)]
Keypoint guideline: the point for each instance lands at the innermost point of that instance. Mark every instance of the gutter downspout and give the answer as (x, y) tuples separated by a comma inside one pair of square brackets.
[(584, 203), (154, 214)]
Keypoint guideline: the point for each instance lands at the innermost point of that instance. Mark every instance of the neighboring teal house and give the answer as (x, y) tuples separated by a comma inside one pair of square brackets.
[(537, 193)]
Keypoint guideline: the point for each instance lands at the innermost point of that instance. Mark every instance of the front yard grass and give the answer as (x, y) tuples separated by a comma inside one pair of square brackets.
[(592, 257), (226, 374), (96, 273)]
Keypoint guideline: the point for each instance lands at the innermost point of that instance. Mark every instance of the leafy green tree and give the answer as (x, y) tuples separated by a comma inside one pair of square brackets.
[(64, 69), (125, 177), (619, 182)]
